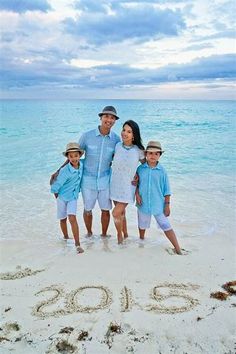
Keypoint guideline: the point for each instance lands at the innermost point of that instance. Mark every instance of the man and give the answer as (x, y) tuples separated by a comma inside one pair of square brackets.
[(99, 146)]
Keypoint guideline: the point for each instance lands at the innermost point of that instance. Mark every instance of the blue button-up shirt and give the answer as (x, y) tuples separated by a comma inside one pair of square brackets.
[(68, 182), (153, 187), (99, 150)]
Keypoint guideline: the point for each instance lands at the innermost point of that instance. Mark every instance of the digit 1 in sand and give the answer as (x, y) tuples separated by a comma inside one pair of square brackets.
[(126, 299)]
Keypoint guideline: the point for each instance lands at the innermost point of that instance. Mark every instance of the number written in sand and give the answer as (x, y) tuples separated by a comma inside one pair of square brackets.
[(177, 291), (87, 299)]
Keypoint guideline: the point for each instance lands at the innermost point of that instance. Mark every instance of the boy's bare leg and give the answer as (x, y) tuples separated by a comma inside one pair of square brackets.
[(141, 233), (105, 220), (118, 214), (125, 231), (63, 225), (173, 239), (88, 220), (75, 229)]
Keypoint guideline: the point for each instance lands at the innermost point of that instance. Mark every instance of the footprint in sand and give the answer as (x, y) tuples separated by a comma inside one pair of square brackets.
[(20, 273), (172, 251)]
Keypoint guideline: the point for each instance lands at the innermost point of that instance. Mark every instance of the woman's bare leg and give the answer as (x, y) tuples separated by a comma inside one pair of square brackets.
[(118, 215)]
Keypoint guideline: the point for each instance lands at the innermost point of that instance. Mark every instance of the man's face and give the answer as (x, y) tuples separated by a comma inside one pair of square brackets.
[(107, 121)]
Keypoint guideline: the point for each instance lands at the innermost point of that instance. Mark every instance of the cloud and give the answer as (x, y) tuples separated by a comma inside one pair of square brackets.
[(140, 23), (51, 73), (21, 6)]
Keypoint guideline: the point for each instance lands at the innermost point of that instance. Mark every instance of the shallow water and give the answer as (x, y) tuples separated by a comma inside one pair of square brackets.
[(197, 136)]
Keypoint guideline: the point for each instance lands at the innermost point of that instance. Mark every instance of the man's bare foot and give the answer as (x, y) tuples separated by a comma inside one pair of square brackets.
[(89, 234), (126, 235), (79, 249), (66, 238), (105, 236)]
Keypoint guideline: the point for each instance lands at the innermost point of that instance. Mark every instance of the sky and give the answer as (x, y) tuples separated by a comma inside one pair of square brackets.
[(120, 49)]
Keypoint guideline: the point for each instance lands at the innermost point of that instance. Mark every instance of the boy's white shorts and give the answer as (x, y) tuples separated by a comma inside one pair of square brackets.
[(90, 197), (66, 208), (144, 221)]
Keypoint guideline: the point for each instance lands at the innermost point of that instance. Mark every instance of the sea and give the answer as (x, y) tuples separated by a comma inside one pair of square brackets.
[(199, 142)]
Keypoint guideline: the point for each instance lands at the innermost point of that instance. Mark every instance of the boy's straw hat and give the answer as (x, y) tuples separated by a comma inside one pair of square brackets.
[(154, 146), (109, 110), (71, 147)]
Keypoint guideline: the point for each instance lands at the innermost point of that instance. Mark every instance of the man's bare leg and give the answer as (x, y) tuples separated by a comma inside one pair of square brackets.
[(105, 220), (88, 220)]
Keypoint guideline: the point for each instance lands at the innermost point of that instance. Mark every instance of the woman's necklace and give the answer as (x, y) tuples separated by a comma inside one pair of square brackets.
[(127, 147)]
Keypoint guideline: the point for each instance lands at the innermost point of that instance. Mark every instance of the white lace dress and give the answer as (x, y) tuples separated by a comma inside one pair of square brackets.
[(124, 166)]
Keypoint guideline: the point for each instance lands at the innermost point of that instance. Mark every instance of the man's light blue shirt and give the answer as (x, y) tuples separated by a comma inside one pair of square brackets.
[(153, 187), (99, 151), (68, 182)]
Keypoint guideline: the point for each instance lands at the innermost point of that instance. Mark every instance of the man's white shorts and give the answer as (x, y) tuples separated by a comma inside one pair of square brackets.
[(144, 221), (66, 208), (90, 197)]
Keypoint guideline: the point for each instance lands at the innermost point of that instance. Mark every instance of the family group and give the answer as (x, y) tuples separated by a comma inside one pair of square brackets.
[(113, 170)]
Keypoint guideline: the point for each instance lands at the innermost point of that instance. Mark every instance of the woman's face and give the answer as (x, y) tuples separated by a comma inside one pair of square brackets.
[(127, 135)]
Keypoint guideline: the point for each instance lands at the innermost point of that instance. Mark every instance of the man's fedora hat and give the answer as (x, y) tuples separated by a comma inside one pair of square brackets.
[(109, 110)]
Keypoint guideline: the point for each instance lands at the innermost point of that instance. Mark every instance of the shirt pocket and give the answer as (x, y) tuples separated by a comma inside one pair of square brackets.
[(92, 150)]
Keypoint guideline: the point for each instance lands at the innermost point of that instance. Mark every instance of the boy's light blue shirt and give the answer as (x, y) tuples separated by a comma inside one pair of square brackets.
[(99, 151), (153, 187), (68, 182)]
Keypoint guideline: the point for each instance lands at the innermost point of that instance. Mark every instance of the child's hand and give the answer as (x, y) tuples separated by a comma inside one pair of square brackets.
[(135, 180), (167, 210), (138, 199)]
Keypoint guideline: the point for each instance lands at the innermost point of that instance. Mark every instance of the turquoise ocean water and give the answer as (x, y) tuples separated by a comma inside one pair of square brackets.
[(198, 138)]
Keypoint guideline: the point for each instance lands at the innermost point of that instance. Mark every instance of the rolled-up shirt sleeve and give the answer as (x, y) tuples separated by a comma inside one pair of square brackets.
[(167, 190)]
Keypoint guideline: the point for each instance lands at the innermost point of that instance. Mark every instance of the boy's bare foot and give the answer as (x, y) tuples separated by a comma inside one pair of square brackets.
[(126, 235), (66, 238), (79, 249)]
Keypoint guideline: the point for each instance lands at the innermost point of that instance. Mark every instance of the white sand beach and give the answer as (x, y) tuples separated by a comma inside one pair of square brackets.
[(134, 298)]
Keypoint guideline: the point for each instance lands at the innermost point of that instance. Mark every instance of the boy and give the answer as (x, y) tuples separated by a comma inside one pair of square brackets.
[(153, 194), (66, 189)]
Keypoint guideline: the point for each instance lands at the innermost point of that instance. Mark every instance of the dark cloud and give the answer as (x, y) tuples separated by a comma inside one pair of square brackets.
[(108, 76), (140, 23), (21, 6)]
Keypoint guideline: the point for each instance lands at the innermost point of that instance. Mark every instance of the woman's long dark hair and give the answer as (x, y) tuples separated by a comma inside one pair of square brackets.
[(136, 133)]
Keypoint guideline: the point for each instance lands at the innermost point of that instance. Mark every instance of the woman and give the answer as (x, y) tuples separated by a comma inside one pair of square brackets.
[(128, 153)]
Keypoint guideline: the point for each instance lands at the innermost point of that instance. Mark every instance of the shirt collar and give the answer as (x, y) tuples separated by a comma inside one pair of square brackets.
[(71, 168), (157, 167), (98, 133)]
